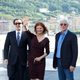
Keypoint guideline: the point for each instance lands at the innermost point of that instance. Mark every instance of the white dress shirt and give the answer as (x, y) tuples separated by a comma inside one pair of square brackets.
[(19, 34)]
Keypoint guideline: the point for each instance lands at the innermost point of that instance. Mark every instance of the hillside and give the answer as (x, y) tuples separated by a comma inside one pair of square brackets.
[(31, 8)]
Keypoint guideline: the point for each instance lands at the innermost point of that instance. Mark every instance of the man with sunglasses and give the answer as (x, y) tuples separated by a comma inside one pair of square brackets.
[(66, 52), (15, 51)]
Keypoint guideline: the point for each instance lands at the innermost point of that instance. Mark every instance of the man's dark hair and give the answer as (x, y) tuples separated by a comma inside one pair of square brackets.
[(14, 20)]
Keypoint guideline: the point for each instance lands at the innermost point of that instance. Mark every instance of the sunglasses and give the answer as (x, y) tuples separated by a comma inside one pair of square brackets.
[(18, 23), (63, 24)]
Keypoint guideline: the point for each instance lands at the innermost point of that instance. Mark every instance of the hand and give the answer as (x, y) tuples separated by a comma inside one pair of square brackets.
[(25, 21), (5, 61), (71, 68), (37, 59)]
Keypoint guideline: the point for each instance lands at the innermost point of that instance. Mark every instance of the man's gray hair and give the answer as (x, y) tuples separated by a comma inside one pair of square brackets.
[(64, 21)]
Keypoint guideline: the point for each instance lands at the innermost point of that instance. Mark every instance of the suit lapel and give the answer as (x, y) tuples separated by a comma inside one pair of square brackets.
[(58, 37), (14, 37), (22, 37), (65, 37)]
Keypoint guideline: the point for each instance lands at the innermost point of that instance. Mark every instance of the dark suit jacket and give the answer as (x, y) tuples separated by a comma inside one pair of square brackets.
[(12, 51), (69, 50)]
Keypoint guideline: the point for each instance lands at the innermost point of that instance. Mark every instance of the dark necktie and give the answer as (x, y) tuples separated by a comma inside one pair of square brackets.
[(18, 37)]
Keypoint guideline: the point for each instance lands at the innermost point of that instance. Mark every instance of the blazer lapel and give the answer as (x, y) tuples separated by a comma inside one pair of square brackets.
[(14, 37), (65, 37), (22, 37), (58, 37)]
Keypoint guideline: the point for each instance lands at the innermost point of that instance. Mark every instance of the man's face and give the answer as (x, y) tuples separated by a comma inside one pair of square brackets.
[(63, 26), (18, 24)]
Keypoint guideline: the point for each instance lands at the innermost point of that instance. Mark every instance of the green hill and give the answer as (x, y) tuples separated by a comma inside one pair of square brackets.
[(19, 8)]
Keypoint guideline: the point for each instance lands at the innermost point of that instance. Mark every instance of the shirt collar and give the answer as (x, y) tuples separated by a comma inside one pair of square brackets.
[(65, 32), (19, 31)]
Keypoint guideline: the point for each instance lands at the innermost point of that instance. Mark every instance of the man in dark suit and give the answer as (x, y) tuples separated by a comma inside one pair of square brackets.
[(15, 52), (66, 52)]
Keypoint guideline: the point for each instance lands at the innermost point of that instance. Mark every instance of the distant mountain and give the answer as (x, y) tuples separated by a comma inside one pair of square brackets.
[(31, 8)]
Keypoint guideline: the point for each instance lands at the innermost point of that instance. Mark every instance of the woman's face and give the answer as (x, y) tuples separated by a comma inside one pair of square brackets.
[(39, 29)]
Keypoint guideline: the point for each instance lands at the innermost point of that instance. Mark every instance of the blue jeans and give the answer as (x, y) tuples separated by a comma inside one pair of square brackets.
[(64, 74)]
